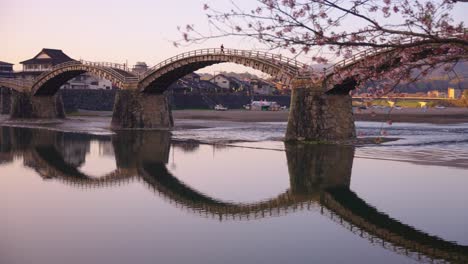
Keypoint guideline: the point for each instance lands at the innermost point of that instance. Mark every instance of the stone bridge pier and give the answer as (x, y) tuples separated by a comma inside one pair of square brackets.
[(319, 116), (24, 105), (316, 167), (5, 97), (132, 148), (135, 109)]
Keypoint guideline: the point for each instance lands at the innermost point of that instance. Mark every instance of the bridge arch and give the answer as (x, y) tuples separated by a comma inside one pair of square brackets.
[(50, 164), (162, 75), (50, 82)]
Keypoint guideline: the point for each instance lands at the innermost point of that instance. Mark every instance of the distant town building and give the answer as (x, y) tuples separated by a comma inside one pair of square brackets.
[(207, 87), (192, 77), (262, 87), (191, 83), (88, 81), (453, 93), (6, 69), (140, 67), (226, 83), (434, 94), (221, 83)]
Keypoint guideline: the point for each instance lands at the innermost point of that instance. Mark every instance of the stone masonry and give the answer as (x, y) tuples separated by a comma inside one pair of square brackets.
[(313, 167), (133, 109), (320, 117), (27, 106), (5, 95)]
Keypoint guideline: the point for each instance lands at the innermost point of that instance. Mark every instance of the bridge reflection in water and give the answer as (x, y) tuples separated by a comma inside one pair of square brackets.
[(319, 175)]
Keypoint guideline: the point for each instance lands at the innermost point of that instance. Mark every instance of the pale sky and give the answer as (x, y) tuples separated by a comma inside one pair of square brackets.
[(114, 31)]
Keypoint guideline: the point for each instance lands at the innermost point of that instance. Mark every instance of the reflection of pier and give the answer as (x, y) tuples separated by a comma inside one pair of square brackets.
[(319, 181)]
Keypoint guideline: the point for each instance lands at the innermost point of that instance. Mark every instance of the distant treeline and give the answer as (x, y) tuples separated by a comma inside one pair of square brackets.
[(431, 85)]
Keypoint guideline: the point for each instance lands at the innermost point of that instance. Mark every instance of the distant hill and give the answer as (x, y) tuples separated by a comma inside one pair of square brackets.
[(437, 80)]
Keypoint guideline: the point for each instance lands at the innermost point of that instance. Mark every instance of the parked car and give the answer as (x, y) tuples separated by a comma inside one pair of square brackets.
[(220, 107)]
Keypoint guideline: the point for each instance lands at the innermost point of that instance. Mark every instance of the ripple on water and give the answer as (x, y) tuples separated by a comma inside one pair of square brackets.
[(442, 145)]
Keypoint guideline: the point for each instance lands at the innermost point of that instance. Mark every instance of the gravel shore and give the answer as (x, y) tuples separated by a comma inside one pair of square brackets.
[(191, 118), (410, 115)]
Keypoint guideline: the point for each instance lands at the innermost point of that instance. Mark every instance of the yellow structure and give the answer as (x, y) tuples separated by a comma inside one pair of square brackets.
[(451, 93)]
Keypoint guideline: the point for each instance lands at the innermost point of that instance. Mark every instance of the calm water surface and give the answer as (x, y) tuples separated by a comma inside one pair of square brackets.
[(140, 197)]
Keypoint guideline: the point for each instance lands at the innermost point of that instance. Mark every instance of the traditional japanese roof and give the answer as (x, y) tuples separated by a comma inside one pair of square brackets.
[(229, 78), (2, 63), (52, 56)]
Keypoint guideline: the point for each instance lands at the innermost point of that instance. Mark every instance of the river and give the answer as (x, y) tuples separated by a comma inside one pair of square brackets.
[(233, 193)]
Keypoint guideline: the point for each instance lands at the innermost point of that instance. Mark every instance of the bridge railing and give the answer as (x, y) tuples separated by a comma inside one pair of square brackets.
[(110, 66), (372, 52), (277, 59), (55, 67), (361, 55), (106, 66), (120, 66)]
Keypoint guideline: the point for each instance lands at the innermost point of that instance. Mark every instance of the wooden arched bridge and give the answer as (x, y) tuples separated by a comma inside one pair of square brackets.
[(320, 108)]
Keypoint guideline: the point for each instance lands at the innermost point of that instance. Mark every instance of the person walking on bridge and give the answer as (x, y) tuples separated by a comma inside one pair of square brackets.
[(222, 48)]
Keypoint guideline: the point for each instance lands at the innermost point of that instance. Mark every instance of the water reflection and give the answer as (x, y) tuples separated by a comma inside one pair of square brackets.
[(319, 177)]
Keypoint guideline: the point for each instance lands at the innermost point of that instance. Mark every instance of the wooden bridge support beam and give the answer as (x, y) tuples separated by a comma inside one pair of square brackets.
[(27, 106), (319, 117), (133, 109)]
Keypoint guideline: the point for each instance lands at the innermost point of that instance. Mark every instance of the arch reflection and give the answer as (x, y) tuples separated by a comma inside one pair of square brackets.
[(319, 176)]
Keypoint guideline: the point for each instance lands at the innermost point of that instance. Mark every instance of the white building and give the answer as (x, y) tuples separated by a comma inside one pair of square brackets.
[(88, 81), (225, 82)]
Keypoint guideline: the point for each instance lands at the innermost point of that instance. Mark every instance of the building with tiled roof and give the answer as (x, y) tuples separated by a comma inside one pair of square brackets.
[(226, 82), (6, 69), (262, 87), (45, 60)]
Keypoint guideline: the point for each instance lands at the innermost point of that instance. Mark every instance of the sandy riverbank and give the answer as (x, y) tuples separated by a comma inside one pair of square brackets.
[(411, 115), (232, 115), (450, 115), (183, 117)]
